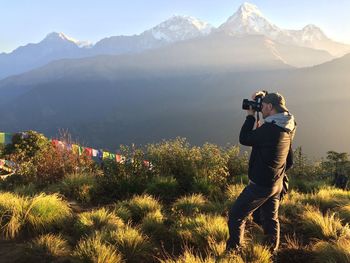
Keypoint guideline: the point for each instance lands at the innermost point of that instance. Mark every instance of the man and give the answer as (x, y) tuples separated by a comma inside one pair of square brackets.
[(271, 144)]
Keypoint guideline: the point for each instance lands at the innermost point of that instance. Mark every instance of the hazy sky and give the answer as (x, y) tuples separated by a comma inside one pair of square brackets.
[(29, 21)]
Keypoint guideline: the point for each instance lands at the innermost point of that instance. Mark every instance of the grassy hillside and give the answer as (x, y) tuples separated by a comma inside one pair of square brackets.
[(61, 207)]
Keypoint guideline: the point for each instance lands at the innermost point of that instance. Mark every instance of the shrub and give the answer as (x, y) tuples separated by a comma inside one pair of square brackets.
[(50, 246), (101, 219), (42, 162), (176, 158), (334, 251), (131, 243), (47, 212), (122, 212), (92, 249), (40, 213), (190, 205), (165, 188), (153, 225), (12, 214), (256, 253), (201, 230), (78, 186), (326, 226), (139, 206), (328, 198)]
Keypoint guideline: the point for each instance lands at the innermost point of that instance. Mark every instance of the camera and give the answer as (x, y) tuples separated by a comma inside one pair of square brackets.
[(256, 104)]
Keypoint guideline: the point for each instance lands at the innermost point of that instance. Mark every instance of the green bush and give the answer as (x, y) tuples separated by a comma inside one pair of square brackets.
[(78, 186), (202, 230), (326, 227), (164, 188), (40, 162), (334, 251), (93, 249), (190, 205), (255, 253), (49, 246), (40, 213), (48, 212), (140, 205), (12, 214), (131, 243), (97, 220)]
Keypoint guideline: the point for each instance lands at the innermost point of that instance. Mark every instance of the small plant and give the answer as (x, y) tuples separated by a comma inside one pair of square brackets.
[(131, 243), (201, 230), (92, 250), (327, 227), (334, 251), (153, 225), (139, 206), (101, 219), (190, 205), (50, 246), (12, 214), (40, 213), (78, 186), (255, 253), (163, 187), (47, 212)]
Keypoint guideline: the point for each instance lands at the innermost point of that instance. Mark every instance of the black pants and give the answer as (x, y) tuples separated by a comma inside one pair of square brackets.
[(252, 197)]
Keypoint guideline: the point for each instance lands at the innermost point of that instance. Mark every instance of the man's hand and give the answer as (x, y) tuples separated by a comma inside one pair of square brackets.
[(257, 93)]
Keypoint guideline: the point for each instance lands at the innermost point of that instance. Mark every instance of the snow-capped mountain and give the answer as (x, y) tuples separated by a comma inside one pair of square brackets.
[(249, 20), (179, 28), (54, 46)]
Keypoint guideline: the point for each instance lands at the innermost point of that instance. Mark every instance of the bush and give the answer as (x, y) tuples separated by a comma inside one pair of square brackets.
[(100, 219), (164, 188), (139, 206), (41, 162), (12, 214), (131, 243), (50, 246), (176, 158), (48, 212), (327, 198), (92, 250), (256, 253), (40, 213), (202, 230), (190, 205), (335, 251), (327, 227), (78, 186), (153, 225)]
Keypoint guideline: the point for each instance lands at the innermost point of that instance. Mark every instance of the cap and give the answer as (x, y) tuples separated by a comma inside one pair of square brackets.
[(277, 101)]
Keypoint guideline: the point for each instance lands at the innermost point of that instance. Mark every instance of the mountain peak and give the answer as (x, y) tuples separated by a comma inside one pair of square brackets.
[(311, 33), (248, 9), (248, 19), (180, 27), (54, 36)]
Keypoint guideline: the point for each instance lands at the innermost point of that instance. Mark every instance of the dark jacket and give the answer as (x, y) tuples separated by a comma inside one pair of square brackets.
[(271, 152)]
